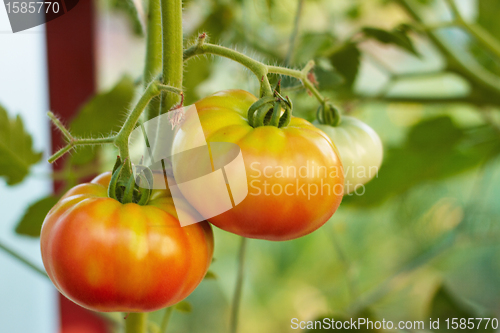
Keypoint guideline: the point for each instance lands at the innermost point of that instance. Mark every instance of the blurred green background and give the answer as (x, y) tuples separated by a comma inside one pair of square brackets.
[(423, 240)]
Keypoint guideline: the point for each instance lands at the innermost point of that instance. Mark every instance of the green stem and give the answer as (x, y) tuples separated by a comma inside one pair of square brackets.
[(153, 63), (259, 69), (79, 142), (482, 35), (256, 67), (301, 75), (121, 139), (171, 22), (166, 319), (57, 123), (239, 286), (22, 259), (295, 32), (136, 322)]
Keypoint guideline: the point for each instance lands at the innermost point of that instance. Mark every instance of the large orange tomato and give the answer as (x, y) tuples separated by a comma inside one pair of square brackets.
[(293, 173), (109, 256)]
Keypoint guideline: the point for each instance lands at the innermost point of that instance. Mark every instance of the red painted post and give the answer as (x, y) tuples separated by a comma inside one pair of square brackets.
[(71, 72)]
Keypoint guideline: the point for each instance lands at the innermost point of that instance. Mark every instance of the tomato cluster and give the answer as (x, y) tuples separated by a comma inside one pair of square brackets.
[(111, 256)]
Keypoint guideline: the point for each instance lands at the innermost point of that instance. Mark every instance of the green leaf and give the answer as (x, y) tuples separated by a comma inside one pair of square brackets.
[(312, 45), (434, 149), (102, 115), (346, 61), (184, 306), (210, 276), (31, 223), (328, 78), (397, 37), (444, 306), (16, 149)]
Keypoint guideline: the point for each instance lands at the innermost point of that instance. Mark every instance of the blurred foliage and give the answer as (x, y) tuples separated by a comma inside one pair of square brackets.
[(128, 8), (397, 36), (434, 149), (444, 307), (16, 149)]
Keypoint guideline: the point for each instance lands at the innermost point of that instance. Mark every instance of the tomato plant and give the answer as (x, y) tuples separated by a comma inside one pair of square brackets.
[(360, 150), (294, 174), (108, 256)]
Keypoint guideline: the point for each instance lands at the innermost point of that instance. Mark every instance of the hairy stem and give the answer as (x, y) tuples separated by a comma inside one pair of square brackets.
[(259, 69), (121, 140), (235, 308), (256, 67), (153, 63), (136, 322), (301, 75), (171, 22)]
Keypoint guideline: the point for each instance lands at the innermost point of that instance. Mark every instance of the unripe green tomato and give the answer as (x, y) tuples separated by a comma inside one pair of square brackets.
[(360, 150)]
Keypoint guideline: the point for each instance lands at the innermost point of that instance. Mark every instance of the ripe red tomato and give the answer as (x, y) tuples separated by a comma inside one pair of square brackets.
[(294, 175), (108, 256)]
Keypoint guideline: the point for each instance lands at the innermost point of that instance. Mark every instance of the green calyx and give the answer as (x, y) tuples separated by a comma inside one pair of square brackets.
[(328, 114), (271, 110), (128, 190)]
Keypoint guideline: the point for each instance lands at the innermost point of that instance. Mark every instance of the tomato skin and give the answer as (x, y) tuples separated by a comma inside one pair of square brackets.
[(360, 149), (266, 150), (107, 256)]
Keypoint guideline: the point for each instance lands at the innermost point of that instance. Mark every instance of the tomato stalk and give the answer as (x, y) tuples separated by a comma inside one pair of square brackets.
[(72, 141), (136, 322), (258, 68), (172, 42), (153, 62), (328, 114), (239, 286), (120, 140)]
